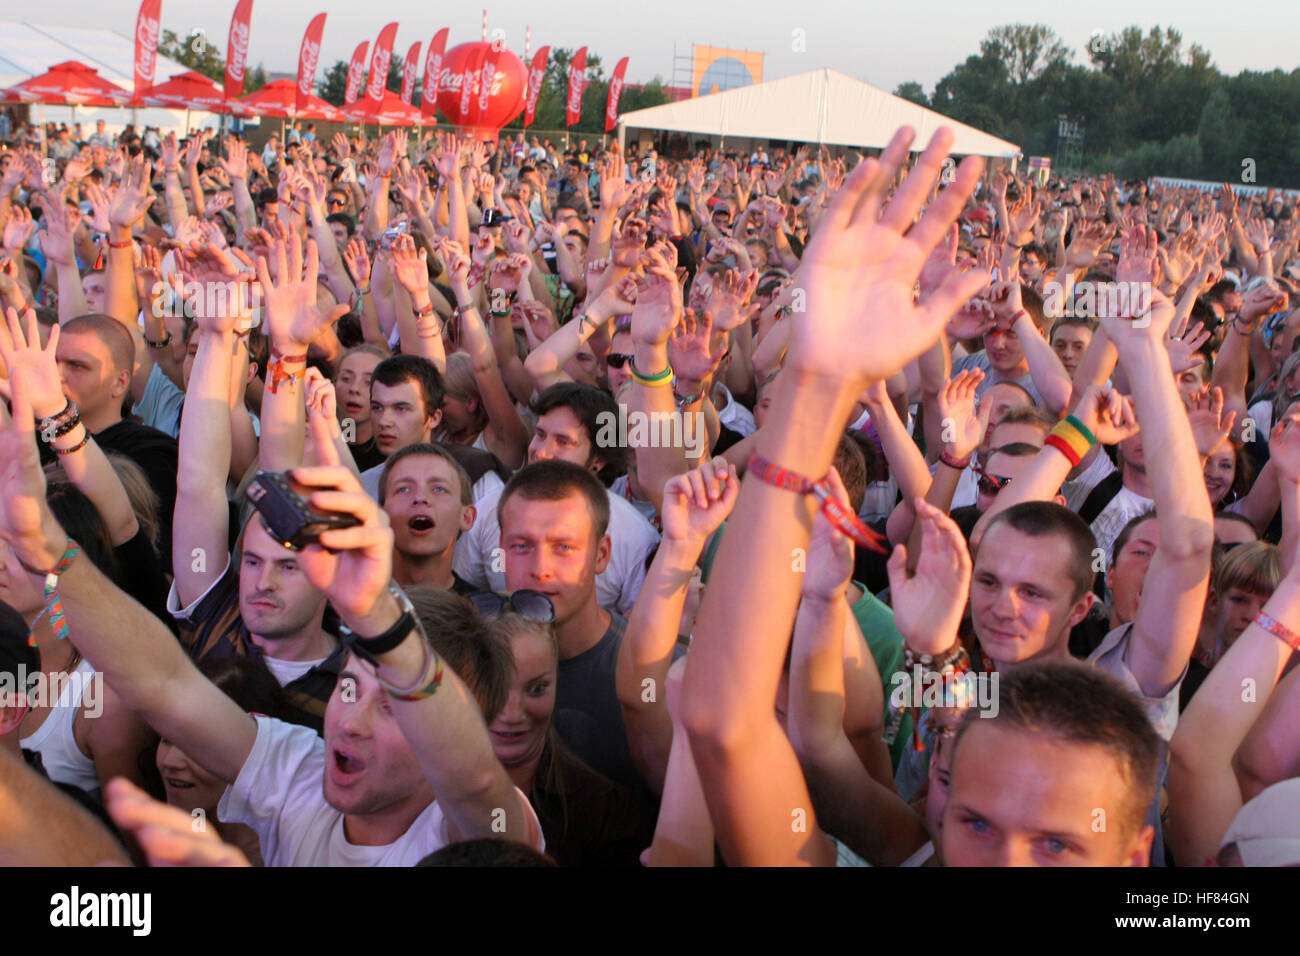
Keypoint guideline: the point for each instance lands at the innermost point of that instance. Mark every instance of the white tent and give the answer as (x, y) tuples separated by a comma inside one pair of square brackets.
[(28, 49), (822, 106)]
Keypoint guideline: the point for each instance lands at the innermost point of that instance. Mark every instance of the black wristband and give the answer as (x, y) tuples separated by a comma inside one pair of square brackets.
[(368, 648)]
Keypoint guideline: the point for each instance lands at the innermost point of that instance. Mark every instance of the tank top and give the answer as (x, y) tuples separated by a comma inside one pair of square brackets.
[(55, 742)]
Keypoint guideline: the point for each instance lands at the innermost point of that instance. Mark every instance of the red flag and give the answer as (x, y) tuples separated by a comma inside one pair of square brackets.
[(237, 49), (577, 82), (536, 73), (432, 71), (308, 57), (410, 70), (469, 73), (381, 55), (615, 88), (488, 77), (146, 44), (355, 69)]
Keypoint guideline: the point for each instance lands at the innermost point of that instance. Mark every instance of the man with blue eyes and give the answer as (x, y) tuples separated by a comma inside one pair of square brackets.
[(426, 494), (1061, 776)]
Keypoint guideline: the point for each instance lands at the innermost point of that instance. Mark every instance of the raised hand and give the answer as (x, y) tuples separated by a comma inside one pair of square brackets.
[(170, 152), (859, 271), (388, 154), (204, 269), (1087, 244), (165, 833), (830, 551), (1108, 414), (730, 294), (1183, 352), (1284, 446), (1264, 299), (61, 221), (133, 197), (290, 301), (693, 350), (974, 318), (33, 370), (963, 420), (409, 266), (659, 301), (628, 242), (1211, 425), (697, 503), (1133, 318), (18, 230), (342, 148), (929, 605), (615, 299)]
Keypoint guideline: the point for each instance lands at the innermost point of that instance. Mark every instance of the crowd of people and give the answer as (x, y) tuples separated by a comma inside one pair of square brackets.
[(742, 507)]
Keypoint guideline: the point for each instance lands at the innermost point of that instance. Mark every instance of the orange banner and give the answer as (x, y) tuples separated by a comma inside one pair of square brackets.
[(718, 69)]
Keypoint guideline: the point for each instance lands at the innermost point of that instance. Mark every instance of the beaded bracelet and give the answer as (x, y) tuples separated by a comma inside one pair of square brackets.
[(74, 448), (60, 423)]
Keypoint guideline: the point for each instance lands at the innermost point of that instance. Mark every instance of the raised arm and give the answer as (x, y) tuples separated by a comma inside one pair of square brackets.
[(858, 274)]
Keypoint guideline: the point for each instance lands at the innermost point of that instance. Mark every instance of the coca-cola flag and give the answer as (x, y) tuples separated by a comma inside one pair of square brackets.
[(536, 73), (577, 83), (472, 68), (615, 88), (308, 57), (487, 77), (355, 69), (410, 70), (432, 69), (381, 56), (146, 44), (237, 49)]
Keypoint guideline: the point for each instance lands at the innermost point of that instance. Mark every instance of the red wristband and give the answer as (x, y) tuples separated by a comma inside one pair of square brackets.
[(844, 520), (120, 245)]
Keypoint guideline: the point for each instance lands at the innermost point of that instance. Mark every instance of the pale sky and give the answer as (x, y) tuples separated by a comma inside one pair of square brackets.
[(918, 40)]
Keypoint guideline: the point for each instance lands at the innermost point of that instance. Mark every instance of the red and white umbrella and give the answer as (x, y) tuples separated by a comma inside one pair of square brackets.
[(278, 100), (70, 83), (391, 112), (190, 90)]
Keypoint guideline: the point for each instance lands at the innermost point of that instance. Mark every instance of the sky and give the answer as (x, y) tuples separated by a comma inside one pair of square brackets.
[(885, 46)]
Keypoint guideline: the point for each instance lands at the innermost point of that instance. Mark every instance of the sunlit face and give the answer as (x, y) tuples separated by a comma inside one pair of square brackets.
[(519, 731), (187, 785), (1022, 798), (1031, 267), (95, 287), (551, 546), (340, 234), (1220, 472), (423, 502), (275, 597), (370, 767), (560, 436), (397, 415), (353, 387), (86, 369), (1069, 342), (1004, 350), (1016, 433), (1003, 398), (1022, 597), (1128, 569)]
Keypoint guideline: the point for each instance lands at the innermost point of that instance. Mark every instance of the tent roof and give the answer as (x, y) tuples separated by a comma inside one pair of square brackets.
[(821, 106)]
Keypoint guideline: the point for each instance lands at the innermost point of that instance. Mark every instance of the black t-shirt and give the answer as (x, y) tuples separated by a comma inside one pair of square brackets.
[(366, 455), (156, 454), (587, 819), (588, 715)]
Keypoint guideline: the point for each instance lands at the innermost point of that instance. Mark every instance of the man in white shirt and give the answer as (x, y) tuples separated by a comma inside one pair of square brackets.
[(567, 417), (365, 795)]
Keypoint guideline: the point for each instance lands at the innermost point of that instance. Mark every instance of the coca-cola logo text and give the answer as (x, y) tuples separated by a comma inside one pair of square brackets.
[(238, 50), (307, 60), (146, 47), (379, 73)]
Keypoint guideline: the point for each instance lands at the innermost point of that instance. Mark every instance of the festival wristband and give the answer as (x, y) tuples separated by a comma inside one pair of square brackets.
[(53, 602), (843, 520), (658, 378), (960, 464), (1279, 630), (1072, 439)]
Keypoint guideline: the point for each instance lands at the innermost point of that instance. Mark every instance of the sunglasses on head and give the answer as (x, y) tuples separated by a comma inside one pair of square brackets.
[(528, 604), (617, 359)]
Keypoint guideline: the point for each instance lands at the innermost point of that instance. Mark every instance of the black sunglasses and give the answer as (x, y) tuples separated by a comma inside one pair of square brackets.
[(991, 484), (617, 359), (528, 604)]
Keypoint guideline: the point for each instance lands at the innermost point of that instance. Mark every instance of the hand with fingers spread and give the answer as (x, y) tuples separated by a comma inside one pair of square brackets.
[(1139, 314), (235, 162), (410, 267), (483, 249), (357, 259), (1211, 425), (696, 503), (202, 270), (19, 228), (1264, 299), (1184, 353), (928, 606), (729, 297), (628, 242), (963, 418), (289, 301), (659, 301), (26, 523), (61, 225), (1086, 246), (33, 370), (859, 271), (694, 352)]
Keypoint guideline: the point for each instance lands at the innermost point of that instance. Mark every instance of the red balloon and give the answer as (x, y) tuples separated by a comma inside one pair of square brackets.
[(505, 95)]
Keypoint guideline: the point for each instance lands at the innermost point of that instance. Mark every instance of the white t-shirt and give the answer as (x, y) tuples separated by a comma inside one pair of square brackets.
[(631, 537), (286, 672), (1123, 508), (278, 793)]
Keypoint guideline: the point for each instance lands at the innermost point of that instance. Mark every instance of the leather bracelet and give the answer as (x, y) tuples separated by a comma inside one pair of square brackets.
[(58, 420), (66, 427), (166, 341)]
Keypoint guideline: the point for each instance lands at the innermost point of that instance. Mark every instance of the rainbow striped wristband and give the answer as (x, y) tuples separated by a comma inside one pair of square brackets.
[(1072, 439)]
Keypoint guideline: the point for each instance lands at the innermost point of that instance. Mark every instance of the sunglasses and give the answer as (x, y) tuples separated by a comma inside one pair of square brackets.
[(335, 201), (991, 484), (528, 604), (617, 359)]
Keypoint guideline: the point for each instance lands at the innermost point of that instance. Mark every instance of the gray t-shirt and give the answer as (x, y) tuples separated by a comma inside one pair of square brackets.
[(980, 360)]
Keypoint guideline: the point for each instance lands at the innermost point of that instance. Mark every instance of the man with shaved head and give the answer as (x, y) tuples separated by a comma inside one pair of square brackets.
[(96, 358)]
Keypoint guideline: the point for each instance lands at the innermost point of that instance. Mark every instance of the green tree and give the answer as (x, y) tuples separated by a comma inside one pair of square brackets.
[(334, 87), (1026, 50), (195, 51), (913, 92), (254, 79)]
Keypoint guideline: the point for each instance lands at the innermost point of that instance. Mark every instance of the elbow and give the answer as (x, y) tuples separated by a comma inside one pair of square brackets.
[(1191, 541)]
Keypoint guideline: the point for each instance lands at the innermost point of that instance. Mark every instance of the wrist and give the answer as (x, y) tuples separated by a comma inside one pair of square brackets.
[(381, 616)]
